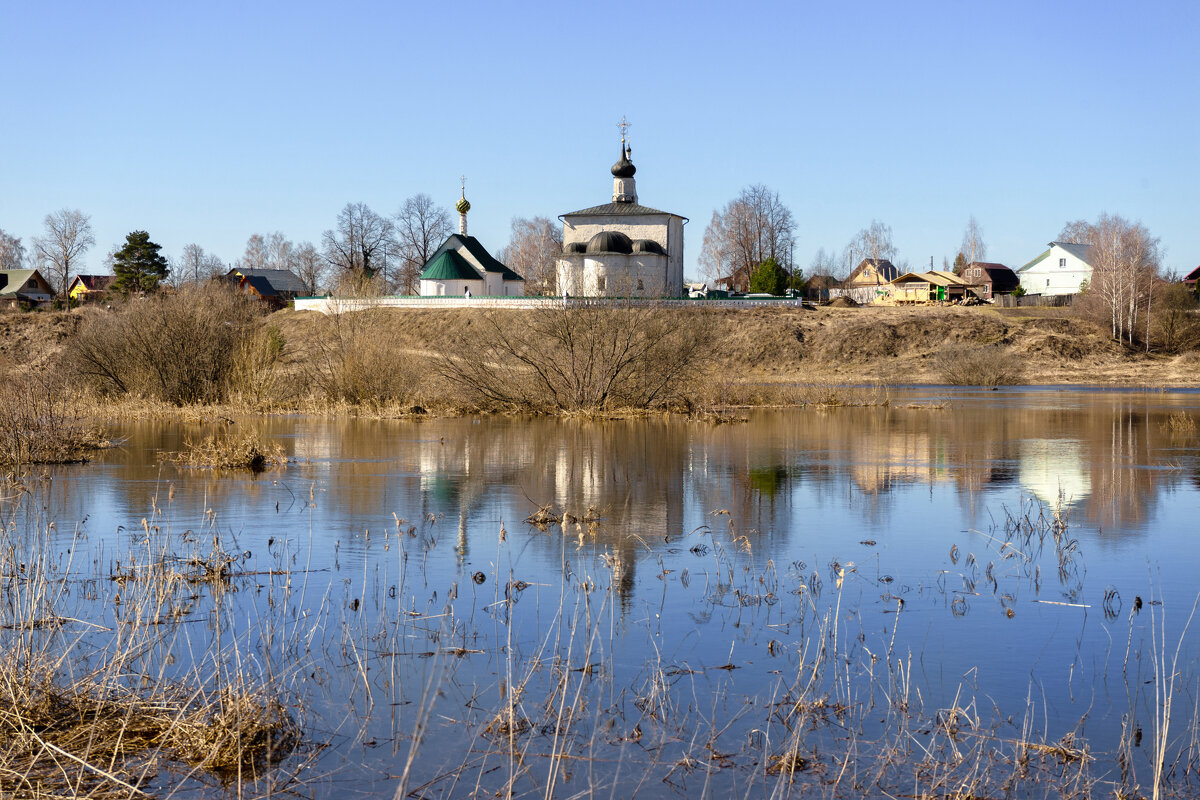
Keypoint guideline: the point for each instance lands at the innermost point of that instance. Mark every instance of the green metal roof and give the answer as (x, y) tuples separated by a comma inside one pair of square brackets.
[(449, 266), (458, 241)]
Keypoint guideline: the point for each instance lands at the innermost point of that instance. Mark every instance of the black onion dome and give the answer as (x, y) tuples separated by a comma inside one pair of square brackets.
[(624, 168), (609, 242), (648, 246), (575, 247)]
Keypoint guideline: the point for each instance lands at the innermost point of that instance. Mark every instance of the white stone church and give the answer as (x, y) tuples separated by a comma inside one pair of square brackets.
[(622, 249)]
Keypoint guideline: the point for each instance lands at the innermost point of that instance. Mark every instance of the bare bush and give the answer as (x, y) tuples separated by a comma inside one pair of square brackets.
[(355, 360), (972, 365), (41, 425), (178, 348), (588, 357)]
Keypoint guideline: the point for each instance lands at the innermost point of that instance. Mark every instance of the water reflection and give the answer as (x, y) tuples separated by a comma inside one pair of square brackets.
[(1110, 456)]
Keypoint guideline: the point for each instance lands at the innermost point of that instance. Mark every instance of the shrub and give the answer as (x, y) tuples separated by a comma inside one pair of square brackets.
[(178, 348), (355, 359), (588, 357), (978, 365), (41, 426)]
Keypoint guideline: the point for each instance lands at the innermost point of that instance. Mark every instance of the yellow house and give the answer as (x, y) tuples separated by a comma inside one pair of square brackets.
[(89, 287)]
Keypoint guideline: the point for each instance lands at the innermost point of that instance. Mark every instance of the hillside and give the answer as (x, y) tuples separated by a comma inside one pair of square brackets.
[(765, 345), (857, 345)]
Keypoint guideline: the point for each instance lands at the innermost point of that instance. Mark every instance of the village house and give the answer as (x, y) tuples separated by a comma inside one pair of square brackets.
[(463, 267), (1190, 279), (89, 288), (935, 286), (988, 279), (274, 286), (1063, 269), (23, 287)]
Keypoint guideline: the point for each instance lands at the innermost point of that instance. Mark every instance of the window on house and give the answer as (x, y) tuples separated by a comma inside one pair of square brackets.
[(1062, 262)]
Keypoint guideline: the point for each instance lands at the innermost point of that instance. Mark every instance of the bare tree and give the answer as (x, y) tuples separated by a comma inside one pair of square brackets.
[(752, 228), (256, 255), (309, 267), (281, 253), (195, 266), (973, 247), (1078, 231), (1125, 260), (60, 251), (421, 227), (362, 246), (873, 242), (532, 251), (12, 252)]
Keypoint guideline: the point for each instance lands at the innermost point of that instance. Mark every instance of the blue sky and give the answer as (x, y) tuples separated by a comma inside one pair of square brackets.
[(208, 122)]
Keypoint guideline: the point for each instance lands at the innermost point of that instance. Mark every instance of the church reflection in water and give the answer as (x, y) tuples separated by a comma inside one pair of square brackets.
[(655, 481)]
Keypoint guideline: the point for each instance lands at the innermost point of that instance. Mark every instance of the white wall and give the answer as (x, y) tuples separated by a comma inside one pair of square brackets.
[(1048, 277), (453, 288)]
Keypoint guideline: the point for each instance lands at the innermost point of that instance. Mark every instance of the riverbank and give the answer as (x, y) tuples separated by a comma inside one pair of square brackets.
[(391, 362)]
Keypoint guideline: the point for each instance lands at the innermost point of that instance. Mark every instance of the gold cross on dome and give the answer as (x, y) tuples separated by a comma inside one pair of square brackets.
[(623, 126)]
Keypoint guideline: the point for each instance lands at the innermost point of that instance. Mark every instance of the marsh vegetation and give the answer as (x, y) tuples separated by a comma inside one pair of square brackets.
[(857, 602)]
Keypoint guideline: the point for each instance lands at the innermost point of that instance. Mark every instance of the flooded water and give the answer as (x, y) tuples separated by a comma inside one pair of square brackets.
[(906, 599)]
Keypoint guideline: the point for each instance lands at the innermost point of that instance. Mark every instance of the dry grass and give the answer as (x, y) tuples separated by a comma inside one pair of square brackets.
[(42, 426), (974, 365), (231, 451)]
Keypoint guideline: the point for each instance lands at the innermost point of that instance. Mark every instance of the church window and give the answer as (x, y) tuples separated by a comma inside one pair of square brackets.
[(600, 283), (640, 285)]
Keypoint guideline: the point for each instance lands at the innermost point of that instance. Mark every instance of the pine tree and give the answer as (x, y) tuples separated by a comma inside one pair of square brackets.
[(138, 265)]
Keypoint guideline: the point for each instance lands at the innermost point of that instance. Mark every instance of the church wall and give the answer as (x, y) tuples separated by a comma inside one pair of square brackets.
[(581, 229), (453, 288)]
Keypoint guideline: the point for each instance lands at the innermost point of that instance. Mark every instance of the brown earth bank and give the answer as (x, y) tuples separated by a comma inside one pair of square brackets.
[(388, 361), (853, 345)]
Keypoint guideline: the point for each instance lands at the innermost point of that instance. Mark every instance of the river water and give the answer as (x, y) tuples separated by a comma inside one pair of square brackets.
[(899, 595)]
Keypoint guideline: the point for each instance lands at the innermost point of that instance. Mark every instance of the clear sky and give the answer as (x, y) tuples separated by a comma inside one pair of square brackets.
[(209, 121)]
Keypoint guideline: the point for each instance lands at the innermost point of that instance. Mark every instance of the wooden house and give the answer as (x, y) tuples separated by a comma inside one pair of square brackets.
[(928, 287), (872, 272), (90, 288), (281, 284), (988, 279), (1190, 279), (24, 287)]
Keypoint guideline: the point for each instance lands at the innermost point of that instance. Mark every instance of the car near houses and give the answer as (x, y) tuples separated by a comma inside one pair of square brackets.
[(24, 288)]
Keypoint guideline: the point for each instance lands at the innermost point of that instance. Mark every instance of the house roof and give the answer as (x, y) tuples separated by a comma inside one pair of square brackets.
[(94, 283), (281, 280), (936, 277), (885, 269), (620, 209), (1003, 279), (260, 284), (458, 241), (1081, 251), (1193, 276), (17, 278), (448, 265)]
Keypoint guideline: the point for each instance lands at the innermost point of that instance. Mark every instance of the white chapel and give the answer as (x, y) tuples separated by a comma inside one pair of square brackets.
[(622, 248)]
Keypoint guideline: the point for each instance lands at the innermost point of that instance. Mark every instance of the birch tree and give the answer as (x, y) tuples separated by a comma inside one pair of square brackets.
[(873, 242), (1125, 260), (60, 251), (361, 246), (532, 251), (973, 247), (195, 266), (750, 229), (12, 252), (421, 226)]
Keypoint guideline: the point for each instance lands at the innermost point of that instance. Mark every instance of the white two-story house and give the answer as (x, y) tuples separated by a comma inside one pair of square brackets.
[(1062, 269)]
